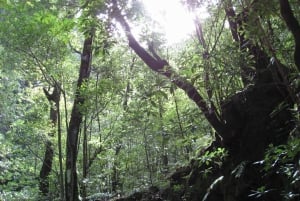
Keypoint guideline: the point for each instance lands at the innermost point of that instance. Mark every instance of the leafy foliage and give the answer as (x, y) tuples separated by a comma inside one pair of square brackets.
[(138, 126)]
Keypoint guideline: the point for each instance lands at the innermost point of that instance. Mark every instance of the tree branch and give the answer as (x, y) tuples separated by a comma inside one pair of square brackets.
[(163, 68)]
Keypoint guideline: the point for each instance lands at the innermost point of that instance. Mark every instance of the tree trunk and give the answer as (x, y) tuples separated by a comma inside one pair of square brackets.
[(115, 179), (84, 161), (60, 155), (46, 169), (71, 181), (48, 156)]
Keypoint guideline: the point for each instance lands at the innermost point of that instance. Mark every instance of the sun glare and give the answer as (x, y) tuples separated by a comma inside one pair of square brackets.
[(177, 23)]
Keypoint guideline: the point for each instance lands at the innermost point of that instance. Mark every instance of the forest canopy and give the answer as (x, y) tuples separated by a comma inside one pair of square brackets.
[(149, 100)]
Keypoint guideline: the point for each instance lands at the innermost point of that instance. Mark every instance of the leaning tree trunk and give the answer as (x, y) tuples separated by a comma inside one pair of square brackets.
[(161, 66), (249, 120), (71, 181), (48, 157)]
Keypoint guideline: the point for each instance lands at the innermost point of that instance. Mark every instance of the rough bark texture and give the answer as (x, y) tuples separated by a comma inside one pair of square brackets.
[(48, 156), (71, 181)]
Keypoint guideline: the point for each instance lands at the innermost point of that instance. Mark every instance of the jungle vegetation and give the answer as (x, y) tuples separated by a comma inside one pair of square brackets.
[(96, 104)]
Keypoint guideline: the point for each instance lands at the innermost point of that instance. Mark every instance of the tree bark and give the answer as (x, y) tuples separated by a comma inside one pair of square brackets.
[(84, 160), (48, 156), (60, 154), (115, 179), (46, 169), (71, 181)]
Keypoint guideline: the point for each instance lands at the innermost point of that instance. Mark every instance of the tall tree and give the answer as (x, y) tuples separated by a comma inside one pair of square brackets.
[(71, 180)]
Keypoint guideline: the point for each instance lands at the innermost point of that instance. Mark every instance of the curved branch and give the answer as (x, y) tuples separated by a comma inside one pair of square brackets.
[(163, 68), (294, 27)]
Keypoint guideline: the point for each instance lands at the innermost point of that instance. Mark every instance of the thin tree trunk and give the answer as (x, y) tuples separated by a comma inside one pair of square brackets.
[(71, 182), (60, 155), (164, 154), (146, 147), (115, 180), (48, 156), (187, 149), (84, 160)]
